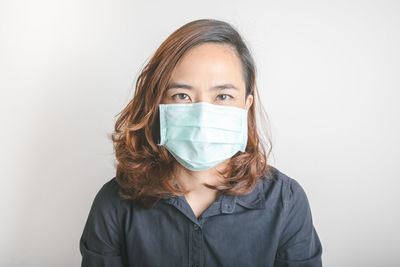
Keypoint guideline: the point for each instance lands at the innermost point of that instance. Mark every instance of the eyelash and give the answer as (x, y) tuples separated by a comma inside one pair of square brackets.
[(187, 95)]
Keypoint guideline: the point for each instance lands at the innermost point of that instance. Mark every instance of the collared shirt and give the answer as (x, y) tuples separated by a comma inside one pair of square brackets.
[(271, 226)]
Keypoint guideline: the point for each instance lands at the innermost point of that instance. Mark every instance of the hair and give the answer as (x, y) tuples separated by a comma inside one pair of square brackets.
[(146, 171)]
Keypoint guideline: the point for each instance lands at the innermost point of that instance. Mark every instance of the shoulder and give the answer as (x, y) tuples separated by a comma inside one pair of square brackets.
[(107, 200), (299, 242), (102, 232), (278, 185), (109, 192)]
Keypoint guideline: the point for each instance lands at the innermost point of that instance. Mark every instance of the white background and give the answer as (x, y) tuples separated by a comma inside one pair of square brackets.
[(329, 76)]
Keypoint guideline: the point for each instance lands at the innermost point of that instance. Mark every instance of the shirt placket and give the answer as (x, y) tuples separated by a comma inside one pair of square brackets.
[(196, 246), (225, 204)]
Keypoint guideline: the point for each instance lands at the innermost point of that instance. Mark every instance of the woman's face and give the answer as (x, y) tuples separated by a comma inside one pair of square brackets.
[(208, 73)]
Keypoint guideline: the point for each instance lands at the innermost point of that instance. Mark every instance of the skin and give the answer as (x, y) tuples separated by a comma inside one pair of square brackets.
[(203, 68)]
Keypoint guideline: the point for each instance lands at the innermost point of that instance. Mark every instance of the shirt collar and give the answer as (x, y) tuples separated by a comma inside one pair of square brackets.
[(253, 200)]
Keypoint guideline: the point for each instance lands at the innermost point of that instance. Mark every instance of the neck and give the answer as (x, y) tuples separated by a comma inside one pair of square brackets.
[(193, 180)]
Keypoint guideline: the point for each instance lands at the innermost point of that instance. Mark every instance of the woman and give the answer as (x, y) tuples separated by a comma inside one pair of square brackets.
[(193, 187)]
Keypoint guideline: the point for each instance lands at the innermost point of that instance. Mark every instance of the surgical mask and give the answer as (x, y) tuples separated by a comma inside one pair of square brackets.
[(201, 135)]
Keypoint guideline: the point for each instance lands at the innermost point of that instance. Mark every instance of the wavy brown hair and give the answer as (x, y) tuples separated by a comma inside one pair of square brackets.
[(145, 171)]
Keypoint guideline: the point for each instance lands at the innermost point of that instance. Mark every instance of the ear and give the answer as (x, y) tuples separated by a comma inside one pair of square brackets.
[(249, 101)]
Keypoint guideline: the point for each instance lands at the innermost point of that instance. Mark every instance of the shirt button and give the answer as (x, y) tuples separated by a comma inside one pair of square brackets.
[(195, 265), (196, 227)]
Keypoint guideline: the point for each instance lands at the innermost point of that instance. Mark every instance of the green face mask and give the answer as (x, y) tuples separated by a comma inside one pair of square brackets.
[(201, 135)]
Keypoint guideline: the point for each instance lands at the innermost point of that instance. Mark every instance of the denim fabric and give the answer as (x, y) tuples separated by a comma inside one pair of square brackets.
[(271, 226)]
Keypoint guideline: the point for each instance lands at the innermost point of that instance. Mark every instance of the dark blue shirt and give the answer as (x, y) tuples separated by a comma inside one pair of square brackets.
[(271, 226)]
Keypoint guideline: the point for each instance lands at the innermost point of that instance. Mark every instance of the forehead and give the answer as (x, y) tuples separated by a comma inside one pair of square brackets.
[(209, 63)]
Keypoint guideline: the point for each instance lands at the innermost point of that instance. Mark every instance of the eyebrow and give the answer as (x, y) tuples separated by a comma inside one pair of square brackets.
[(185, 86)]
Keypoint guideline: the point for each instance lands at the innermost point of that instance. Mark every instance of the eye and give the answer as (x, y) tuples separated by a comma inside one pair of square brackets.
[(181, 96), (224, 96)]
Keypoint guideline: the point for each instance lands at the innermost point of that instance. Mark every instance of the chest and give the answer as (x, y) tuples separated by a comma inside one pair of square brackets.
[(169, 236), (199, 204)]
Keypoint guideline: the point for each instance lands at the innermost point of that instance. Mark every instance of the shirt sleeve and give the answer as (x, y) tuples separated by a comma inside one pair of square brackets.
[(100, 244), (299, 244)]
